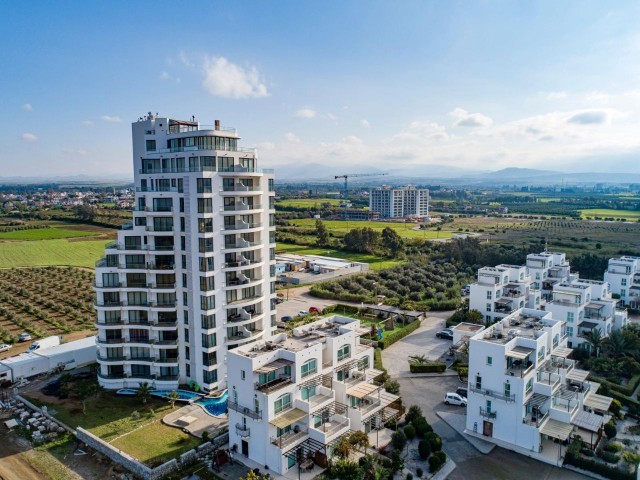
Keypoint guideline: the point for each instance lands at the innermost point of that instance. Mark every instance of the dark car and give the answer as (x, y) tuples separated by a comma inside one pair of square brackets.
[(287, 318), (462, 392), (447, 334)]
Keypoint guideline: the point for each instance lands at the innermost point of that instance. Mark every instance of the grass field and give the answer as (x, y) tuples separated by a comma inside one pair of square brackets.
[(376, 263), (405, 230), (630, 215), (44, 234), (51, 252), (307, 202)]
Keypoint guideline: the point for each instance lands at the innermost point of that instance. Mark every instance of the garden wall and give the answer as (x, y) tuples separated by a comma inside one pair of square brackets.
[(45, 413)]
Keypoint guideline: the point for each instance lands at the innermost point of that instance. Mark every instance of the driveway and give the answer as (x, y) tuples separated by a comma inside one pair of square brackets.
[(423, 341), (299, 299)]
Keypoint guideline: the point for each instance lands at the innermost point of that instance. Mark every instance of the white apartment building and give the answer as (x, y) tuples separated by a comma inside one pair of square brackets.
[(586, 305), (523, 390), (402, 202), (547, 269), (292, 398), (193, 275), (623, 274), (501, 290)]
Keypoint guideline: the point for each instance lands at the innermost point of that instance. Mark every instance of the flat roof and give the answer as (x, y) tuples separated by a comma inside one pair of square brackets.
[(563, 352), (598, 402), (588, 420), (22, 358), (275, 365), (577, 375), (520, 352), (68, 347), (468, 327)]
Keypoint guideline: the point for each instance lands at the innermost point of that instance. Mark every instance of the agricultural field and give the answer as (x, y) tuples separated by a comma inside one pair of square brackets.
[(45, 301), (44, 234), (628, 215), (405, 230), (307, 202), (374, 261)]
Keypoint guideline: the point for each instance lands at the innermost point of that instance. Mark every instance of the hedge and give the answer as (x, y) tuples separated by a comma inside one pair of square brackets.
[(633, 405), (341, 308), (627, 389), (399, 334), (427, 367), (574, 458)]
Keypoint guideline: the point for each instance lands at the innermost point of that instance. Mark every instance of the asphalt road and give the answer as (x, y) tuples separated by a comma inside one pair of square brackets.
[(471, 464)]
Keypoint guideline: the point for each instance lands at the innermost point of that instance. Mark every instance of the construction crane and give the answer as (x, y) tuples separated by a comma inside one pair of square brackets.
[(346, 187)]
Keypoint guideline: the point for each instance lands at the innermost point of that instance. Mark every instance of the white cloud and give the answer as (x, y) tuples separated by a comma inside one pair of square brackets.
[(462, 118), (291, 137), (598, 97), (167, 76), (352, 140), (365, 123), (590, 117), (306, 113), (87, 122), (111, 118), (185, 60), (266, 146), (227, 80), (27, 107), (75, 151), (556, 95), (29, 137), (331, 116)]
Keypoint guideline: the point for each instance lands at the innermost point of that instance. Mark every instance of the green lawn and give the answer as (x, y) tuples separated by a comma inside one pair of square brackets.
[(51, 252), (403, 229), (156, 443), (604, 212), (44, 234), (307, 202), (376, 263)]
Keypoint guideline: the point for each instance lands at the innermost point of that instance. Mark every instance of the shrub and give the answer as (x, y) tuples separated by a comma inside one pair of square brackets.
[(610, 430), (397, 462), (422, 427), (615, 407), (613, 447), (608, 457), (427, 368), (434, 440), (631, 457), (409, 476), (399, 334), (424, 449), (413, 413), (392, 386), (345, 469), (419, 472), (410, 432), (434, 463), (398, 440)]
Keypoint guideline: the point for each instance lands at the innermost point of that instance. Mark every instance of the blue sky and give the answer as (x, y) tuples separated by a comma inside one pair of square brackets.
[(350, 85)]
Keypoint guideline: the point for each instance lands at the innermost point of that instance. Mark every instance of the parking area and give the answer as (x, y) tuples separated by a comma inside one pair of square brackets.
[(299, 300), (421, 342)]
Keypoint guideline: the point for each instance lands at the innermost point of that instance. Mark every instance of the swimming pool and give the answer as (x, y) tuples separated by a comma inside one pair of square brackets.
[(183, 395), (215, 406)]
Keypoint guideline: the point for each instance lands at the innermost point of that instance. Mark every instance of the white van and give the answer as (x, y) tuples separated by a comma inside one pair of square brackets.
[(45, 343), (455, 399)]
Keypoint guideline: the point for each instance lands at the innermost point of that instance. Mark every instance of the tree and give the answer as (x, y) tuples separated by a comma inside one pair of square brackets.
[(594, 338), (410, 432), (359, 439), (398, 440), (362, 240), (424, 449), (413, 413), (85, 212), (418, 359), (87, 391), (173, 397), (144, 392), (616, 345), (322, 233), (392, 242), (392, 386)]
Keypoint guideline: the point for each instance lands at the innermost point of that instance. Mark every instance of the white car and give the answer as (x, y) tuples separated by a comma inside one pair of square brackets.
[(4, 347), (454, 399)]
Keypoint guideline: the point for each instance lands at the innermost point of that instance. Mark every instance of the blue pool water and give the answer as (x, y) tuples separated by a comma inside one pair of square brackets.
[(183, 395), (215, 406)]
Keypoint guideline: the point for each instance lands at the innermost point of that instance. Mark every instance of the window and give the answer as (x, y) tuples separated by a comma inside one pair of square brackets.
[(570, 317), (537, 276), (208, 341), (271, 185), (489, 295), (541, 353), (488, 307), (478, 382), (110, 280), (207, 284), (309, 367), (623, 282), (206, 264), (344, 352), (243, 376), (205, 205), (529, 386), (203, 185), (307, 392), (208, 321), (205, 245), (488, 404), (151, 145), (507, 389), (209, 377), (283, 403), (162, 224), (489, 361), (570, 331), (207, 302), (623, 292), (556, 340), (205, 225)]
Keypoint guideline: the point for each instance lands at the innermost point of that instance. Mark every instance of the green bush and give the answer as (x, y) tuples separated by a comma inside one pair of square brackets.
[(398, 440), (627, 389), (409, 476), (345, 469), (436, 461), (424, 449), (413, 413), (410, 432), (399, 334), (434, 440), (631, 457), (422, 427), (419, 472), (613, 447), (574, 458), (610, 430), (427, 368), (608, 457)]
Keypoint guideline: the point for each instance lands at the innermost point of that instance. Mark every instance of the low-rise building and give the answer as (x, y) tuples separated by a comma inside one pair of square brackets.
[(299, 269), (623, 274), (291, 399)]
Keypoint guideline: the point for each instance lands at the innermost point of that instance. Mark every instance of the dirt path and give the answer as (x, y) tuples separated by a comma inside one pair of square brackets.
[(14, 463)]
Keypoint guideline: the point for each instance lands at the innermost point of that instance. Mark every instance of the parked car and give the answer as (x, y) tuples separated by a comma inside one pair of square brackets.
[(287, 318), (451, 398), (303, 312), (315, 310), (462, 392), (446, 333), (24, 337), (5, 347)]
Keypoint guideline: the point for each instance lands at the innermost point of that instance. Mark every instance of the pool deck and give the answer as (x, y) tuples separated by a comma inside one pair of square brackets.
[(193, 419)]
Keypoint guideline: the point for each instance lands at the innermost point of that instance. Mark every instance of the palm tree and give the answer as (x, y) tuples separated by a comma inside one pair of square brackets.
[(173, 396), (418, 359), (594, 338), (144, 392), (616, 344)]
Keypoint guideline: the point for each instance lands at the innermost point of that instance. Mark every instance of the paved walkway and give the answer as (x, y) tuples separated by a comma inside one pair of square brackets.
[(457, 422), (193, 419)]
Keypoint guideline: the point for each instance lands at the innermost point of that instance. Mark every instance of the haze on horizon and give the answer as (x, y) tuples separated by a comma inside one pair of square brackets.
[(350, 85)]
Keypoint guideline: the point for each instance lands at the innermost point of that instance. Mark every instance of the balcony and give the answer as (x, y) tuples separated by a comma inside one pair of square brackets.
[(337, 424), (242, 430), (242, 262), (536, 419), (110, 341), (246, 411), (274, 385), (487, 413), (241, 206), (241, 226), (240, 188), (104, 359), (289, 438), (492, 393)]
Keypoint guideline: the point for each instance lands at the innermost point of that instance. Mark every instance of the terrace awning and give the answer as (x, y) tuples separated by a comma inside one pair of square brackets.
[(598, 402), (555, 429), (520, 352), (577, 375), (362, 390), (275, 365), (594, 306), (288, 418), (588, 325), (504, 301), (371, 373), (562, 352), (588, 421)]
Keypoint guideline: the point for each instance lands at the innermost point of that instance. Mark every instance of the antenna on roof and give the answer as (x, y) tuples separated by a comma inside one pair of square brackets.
[(546, 245)]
